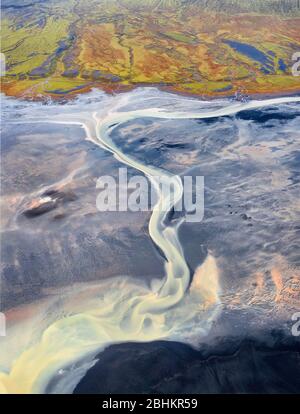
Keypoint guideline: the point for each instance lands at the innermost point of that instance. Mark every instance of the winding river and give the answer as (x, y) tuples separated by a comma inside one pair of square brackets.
[(63, 350)]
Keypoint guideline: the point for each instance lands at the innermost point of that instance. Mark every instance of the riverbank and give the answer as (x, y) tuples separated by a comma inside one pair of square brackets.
[(37, 91)]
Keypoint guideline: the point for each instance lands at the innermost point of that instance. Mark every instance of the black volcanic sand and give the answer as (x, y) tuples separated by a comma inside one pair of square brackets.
[(170, 367), (52, 233)]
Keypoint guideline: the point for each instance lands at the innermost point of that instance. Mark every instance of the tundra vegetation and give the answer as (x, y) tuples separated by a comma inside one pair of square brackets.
[(62, 47)]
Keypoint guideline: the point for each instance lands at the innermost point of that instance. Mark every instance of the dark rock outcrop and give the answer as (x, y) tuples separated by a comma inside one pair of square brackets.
[(170, 367)]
